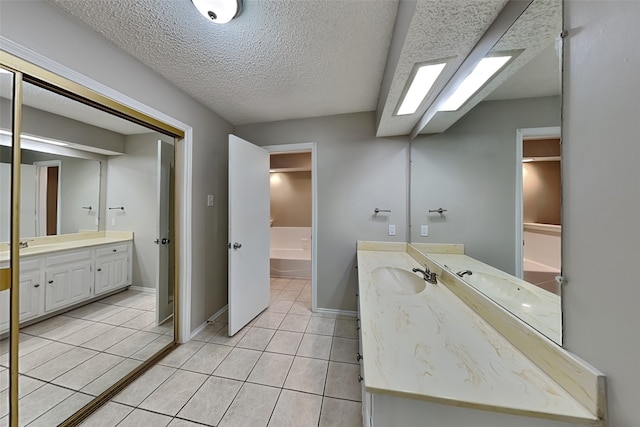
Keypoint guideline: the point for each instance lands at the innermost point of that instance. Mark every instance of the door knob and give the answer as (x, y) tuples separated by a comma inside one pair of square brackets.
[(165, 241), (37, 285), (237, 245), (157, 241)]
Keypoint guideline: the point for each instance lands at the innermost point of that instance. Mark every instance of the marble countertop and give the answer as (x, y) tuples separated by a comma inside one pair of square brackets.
[(543, 312), (51, 244), (432, 346)]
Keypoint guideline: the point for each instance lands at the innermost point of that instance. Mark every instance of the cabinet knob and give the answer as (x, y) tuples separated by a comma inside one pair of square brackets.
[(115, 250), (99, 269), (358, 357), (37, 285), (50, 281)]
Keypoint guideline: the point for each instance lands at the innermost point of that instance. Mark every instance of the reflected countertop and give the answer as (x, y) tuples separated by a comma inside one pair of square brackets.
[(51, 244), (432, 346)]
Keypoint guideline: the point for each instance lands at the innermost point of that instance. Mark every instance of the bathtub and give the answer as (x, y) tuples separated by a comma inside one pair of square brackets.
[(290, 252), (542, 257)]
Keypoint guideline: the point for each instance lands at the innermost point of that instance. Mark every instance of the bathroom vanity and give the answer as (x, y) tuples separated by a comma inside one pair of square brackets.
[(58, 272), (445, 354)]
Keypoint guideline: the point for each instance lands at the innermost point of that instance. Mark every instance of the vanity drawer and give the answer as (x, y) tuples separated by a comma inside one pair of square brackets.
[(27, 265), (69, 257), (112, 250)]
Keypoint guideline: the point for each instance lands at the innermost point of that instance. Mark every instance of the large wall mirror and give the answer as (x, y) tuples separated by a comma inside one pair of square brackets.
[(96, 277), (494, 166)]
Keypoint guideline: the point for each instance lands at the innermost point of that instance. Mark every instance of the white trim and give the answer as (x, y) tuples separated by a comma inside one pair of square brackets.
[(199, 329), (306, 147), (143, 289), (184, 198), (347, 313), (521, 136)]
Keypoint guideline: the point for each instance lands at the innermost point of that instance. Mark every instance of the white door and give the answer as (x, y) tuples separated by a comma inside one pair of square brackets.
[(164, 275), (248, 232)]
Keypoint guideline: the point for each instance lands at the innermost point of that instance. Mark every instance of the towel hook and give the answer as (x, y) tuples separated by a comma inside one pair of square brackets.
[(439, 210), (117, 207), (376, 211)]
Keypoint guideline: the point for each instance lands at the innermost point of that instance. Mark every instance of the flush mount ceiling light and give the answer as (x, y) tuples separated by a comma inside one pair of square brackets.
[(485, 69), (420, 86), (219, 11)]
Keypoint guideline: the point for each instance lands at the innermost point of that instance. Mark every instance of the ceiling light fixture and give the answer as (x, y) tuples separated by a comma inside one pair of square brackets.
[(420, 86), (485, 69), (219, 11)]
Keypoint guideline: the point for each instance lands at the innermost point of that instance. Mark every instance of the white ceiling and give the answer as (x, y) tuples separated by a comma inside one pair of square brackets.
[(288, 59)]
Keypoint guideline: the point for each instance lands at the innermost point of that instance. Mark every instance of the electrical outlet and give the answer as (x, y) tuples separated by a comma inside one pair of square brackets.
[(424, 230), (392, 230), (210, 200), (113, 222)]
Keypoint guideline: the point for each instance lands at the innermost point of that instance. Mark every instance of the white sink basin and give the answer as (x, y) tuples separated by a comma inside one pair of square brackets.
[(397, 281), (502, 288)]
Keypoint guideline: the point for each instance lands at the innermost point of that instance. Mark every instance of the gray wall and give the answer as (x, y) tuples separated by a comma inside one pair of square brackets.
[(44, 29), (132, 183), (291, 199), (601, 247), (357, 172), (470, 170)]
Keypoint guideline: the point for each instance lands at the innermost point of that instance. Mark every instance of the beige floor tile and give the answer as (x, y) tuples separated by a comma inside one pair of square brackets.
[(279, 283), (40, 401), (315, 346), (340, 413), (256, 338), (141, 321), (321, 326), (109, 338), (171, 396), (143, 386), (299, 307), (307, 375), (269, 319), (342, 381), (27, 386), (271, 369), (252, 407), (280, 306), (181, 354), (288, 295), (108, 415), (100, 311), (238, 364), (177, 422), (110, 377), (152, 348), (46, 325), (285, 342), (346, 328), (4, 379), (295, 409), (68, 328), (43, 355), (222, 337), (209, 331), (122, 316), (296, 285), (295, 323), (304, 297), (61, 364), (61, 411), (165, 328), (87, 334), (87, 371), (140, 417), (344, 350), (207, 358), (211, 401), (28, 344), (132, 343)]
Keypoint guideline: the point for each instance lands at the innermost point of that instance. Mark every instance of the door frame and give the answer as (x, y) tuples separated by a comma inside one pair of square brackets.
[(522, 135), (306, 147), (41, 166), (184, 163)]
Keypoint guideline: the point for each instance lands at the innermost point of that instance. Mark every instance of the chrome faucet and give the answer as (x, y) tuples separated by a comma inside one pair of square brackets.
[(22, 244), (461, 273), (429, 276)]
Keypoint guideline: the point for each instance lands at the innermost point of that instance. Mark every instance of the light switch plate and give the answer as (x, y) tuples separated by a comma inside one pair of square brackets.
[(392, 230), (210, 200), (113, 221), (424, 230)]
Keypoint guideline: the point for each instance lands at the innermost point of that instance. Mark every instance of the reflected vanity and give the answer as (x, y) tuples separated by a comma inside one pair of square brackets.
[(470, 162)]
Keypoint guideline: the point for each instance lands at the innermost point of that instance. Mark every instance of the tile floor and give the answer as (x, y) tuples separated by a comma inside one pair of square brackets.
[(288, 367), (68, 359)]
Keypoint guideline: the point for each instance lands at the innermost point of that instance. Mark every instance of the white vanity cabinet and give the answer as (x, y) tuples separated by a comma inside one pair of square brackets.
[(112, 267), (31, 293), (51, 281)]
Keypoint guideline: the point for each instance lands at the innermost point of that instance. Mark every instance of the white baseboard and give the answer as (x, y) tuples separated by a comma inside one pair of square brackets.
[(199, 329), (337, 312), (143, 289)]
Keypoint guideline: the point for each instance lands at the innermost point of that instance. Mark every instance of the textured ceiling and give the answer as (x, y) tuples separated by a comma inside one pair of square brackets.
[(278, 60)]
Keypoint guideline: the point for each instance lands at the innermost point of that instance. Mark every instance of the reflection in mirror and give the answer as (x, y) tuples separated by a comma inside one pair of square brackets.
[(95, 298), (470, 162)]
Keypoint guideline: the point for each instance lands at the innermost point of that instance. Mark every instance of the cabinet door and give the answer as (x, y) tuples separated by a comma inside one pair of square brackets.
[(67, 285), (4, 310), (30, 292), (111, 273)]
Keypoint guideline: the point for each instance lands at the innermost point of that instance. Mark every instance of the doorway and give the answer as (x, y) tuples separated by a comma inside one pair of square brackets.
[(293, 219), (540, 199), (47, 197)]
